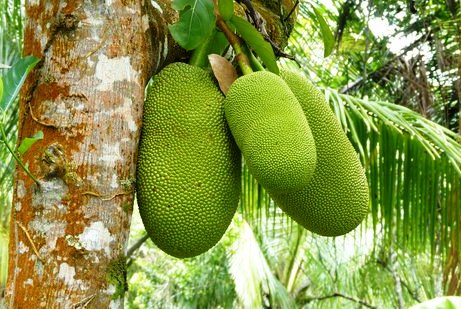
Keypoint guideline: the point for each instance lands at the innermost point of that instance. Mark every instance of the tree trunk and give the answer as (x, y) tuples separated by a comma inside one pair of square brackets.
[(68, 235)]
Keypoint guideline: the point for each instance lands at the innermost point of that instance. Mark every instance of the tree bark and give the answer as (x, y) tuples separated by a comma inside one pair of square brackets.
[(68, 235)]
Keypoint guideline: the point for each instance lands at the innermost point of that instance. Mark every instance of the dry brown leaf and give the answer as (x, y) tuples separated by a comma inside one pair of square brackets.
[(224, 71)]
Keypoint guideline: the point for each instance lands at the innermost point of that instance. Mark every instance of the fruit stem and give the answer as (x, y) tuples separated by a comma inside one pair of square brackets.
[(235, 42)]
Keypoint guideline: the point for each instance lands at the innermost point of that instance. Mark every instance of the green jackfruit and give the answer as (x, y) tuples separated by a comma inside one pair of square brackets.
[(336, 199), (188, 172), (270, 129)]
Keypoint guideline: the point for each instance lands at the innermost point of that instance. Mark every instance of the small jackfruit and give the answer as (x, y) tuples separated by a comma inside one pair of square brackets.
[(188, 171), (270, 129), (336, 199)]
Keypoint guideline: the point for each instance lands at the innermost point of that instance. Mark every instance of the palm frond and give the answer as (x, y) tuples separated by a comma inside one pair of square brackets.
[(255, 284), (413, 168), (11, 30)]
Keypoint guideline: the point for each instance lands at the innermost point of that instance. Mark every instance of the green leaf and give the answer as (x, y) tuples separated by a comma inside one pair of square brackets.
[(226, 9), (1, 89), (328, 39), (215, 44), (196, 22), (14, 78), (29, 141), (256, 41), (218, 44)]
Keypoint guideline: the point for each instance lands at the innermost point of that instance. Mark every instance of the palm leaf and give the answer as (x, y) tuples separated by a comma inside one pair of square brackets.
[(255, 284), (413, 168)]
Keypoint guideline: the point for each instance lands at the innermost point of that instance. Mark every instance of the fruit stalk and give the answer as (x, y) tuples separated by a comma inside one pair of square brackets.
[(236, 43)]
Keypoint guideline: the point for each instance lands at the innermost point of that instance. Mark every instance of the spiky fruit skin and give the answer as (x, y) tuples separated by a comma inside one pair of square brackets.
[(270, 129), (336, 200), (188, 171)]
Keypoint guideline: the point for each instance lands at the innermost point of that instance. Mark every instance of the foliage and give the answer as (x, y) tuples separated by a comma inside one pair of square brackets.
[(389, 52), (158, 280), (12, 82), (11, 28), (414, 184), (195, 24)]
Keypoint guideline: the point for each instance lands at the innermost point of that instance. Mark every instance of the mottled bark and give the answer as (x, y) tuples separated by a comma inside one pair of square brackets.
[(68, 235)]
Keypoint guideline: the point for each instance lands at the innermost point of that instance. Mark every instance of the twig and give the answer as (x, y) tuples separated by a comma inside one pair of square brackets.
[(31, 242), (136, 245), (4, 138), (383, 70), (413, 294), (361, 302), (133, 248), (292, 10), (253, 14), (235, 42), (45, 124)]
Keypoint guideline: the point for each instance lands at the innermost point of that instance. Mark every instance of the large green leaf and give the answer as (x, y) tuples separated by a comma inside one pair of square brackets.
[(218, 43), (226, 9), (196, 22), (14, 78)]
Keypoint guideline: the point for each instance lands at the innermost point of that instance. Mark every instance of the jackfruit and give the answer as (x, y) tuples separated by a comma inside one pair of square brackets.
[(336, 199), (188, 171), (270, 129)]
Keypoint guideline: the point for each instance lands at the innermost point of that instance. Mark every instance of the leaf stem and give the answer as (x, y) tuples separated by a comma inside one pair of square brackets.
[(237, 45), (5, 141)]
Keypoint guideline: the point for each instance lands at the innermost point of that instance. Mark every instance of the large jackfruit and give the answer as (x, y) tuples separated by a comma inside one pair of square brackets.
[(336, 199), (188, 172), (270, 129)]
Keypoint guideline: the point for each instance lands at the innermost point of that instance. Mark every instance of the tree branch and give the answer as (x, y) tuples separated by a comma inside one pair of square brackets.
[(385, 265), (413, 294), (361, 302), (136, 246), (384, 70), (258, 23)]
